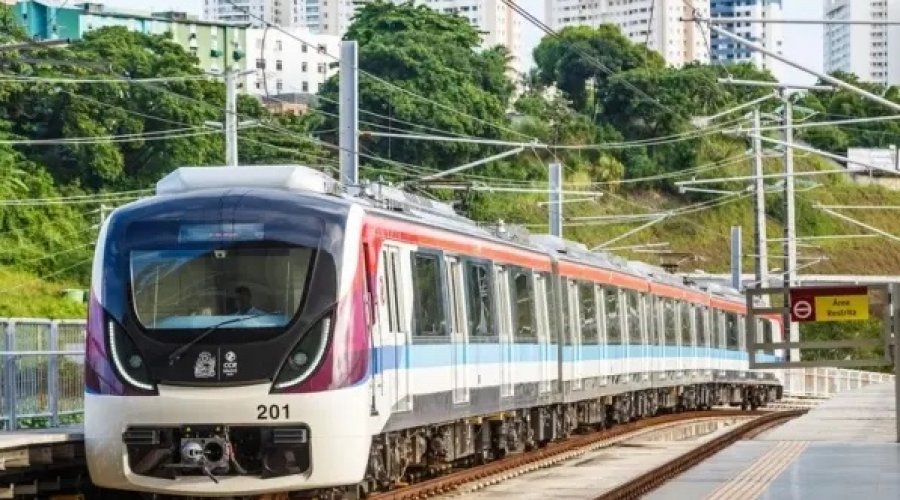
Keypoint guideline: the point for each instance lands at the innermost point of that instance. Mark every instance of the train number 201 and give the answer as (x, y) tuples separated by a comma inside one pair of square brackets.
[(272, 412)]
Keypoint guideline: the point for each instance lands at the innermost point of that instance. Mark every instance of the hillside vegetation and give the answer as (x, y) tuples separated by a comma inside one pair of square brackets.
[(81, 136)]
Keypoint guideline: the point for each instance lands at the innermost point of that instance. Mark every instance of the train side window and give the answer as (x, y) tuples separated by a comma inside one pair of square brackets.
[(457, 311), (566, 327), (731, 330), (720, 330), (523, 305), (686, 324), (701, 316), (392, 288), (669, 322), (552, 313), (647, 314), (428, 286), (768, 330), (634, 317), (742, 332), (480, 310), (613, 321), (588, 312)]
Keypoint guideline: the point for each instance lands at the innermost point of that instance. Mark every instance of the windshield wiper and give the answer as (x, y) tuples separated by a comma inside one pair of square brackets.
[(177, 353)]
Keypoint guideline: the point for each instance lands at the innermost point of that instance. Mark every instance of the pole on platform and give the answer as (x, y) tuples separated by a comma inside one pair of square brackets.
[(790, 223), (349, 113), (894, 291), (736, 256), (556, 198)]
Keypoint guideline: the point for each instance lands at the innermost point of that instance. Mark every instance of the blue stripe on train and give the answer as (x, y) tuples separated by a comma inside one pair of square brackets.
[(438, 355)]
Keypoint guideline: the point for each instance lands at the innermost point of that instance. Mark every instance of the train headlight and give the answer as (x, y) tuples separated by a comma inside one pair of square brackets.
[(306, 356), (127, 359)]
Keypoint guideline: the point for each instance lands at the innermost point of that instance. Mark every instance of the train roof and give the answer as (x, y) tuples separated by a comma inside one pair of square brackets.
[(395, 202)]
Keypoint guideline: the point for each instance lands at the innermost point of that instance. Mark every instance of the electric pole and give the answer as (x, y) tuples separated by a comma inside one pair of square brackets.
[(790, 222), (761, 246), (349, 113), (231, 126), (556, 200)]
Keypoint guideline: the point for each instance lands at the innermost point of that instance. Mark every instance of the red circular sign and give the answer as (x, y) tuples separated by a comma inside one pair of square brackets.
[(802, 309)]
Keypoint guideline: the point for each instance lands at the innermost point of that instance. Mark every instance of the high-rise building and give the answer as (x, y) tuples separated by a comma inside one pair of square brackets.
[(862, 49), (296, 62), (498, 23), (654, 23), (278, 12), (769, 35)]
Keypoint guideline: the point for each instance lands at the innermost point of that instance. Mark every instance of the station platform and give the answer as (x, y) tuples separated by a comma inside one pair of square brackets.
[(844, 448), (23, 449)]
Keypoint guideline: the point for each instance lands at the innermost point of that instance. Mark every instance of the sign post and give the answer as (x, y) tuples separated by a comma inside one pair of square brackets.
[(828, 304)]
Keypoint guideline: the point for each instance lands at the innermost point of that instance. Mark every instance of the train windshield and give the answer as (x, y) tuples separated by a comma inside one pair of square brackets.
[(199, 288)]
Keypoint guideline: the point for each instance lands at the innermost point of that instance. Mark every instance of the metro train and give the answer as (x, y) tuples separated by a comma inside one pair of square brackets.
[(257, 330)]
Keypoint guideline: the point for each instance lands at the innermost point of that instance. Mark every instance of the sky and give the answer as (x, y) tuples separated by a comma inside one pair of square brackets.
[(801, 42)]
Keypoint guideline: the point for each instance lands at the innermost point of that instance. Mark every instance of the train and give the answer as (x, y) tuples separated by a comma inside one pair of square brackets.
[(265, 329)]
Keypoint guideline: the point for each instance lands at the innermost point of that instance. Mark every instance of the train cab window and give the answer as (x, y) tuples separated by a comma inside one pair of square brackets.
[(731, 331), (587, 312), (613, 321), (686, 340), (480, 310), (522, 298), (669, 322), (428, 288), (634, 317)]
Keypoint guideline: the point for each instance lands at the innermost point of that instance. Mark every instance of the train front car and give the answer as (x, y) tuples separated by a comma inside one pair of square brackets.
[(227, 351)]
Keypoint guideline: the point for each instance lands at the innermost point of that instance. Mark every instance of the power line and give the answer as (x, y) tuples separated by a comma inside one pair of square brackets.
[(147, 136), (46, 79)]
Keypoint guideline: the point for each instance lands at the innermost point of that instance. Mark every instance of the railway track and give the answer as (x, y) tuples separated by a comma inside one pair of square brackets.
[(471, 479)]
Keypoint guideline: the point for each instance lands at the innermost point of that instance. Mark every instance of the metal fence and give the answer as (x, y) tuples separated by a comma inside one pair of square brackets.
[(826, 382), (41, 372)]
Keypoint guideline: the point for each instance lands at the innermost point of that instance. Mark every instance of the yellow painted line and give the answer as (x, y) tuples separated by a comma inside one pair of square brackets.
[(750, 483)]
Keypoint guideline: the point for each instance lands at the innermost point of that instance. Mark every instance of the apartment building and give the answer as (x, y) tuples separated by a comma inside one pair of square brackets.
[(298, 61), (863, 49), (769, 35), (654, 23), (253, 12)]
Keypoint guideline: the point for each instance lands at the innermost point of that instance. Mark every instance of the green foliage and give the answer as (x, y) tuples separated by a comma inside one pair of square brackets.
[(429, 54)]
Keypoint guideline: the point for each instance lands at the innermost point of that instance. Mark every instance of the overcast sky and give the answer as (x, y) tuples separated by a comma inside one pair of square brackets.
[(801, 42)]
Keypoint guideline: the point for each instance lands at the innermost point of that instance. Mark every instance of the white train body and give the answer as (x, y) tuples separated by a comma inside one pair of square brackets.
[(377, 342)]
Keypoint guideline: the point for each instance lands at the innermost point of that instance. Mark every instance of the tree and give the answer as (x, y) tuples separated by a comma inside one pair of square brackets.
[(580, 54), (424, 53)]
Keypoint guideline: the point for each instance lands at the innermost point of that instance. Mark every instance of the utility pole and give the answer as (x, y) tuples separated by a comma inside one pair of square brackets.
[(736, 257), (556, 198), (231, 125), (790, 222), (349, 113), (761, 246)]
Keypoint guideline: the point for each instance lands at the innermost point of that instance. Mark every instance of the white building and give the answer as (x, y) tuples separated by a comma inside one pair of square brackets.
[(654, 23), (279, 12), (497, 22), (285, 65), (862, 49), (770, 36)]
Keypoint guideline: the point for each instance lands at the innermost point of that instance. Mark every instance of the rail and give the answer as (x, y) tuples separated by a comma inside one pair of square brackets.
[(41, 373)]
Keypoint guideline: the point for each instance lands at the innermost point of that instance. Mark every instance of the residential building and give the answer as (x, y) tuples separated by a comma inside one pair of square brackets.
[(862, 49), (656, 24), (215, 44), (769, 35), (297, 61), (498, 24), (253, 12)]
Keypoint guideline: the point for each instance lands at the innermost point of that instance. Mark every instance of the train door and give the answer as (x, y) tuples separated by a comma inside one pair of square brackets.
[(573, 336), (546, 351), (602, 336), (501, 285), (659, 346), (458, 334), (395, 326)]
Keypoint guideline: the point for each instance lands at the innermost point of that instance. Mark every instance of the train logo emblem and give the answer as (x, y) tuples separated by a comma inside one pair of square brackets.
[(205, 367), (230, 366)]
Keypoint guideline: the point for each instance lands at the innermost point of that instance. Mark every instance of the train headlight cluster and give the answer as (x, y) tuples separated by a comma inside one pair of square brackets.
[(306, 355), (127, 359)]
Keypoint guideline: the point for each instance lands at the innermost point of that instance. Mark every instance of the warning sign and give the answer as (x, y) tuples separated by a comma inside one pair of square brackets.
[(829, 304)]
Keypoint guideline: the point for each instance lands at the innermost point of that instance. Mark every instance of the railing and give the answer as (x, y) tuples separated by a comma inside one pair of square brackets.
[(41, 373), (826, 382)]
